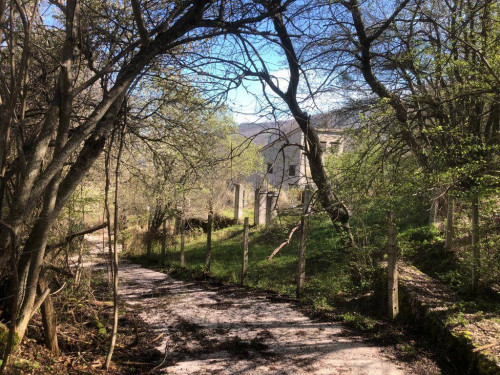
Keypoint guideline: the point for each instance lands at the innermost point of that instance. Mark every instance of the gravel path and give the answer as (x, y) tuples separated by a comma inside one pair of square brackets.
[(230, 331), (205, 329)]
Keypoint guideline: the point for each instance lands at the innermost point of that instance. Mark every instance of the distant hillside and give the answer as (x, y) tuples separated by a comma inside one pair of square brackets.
[(260, 132)]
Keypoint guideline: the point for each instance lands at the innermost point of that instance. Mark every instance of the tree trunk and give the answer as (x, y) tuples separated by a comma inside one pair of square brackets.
[(114, 331), (106, 209), (36, 180), (476, 253), (60, 118), (334, 207), (392, 267), (433, 212), (41, 171), (32, 259), (15, 296), (79, 265), (34, 248), (5, 128), (449, 223), (209, 241)]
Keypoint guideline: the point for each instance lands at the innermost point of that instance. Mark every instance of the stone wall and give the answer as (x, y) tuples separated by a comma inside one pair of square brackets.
[(426, 303)]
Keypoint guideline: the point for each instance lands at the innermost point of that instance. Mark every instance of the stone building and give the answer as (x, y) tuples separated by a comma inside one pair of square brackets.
[(283, 148)]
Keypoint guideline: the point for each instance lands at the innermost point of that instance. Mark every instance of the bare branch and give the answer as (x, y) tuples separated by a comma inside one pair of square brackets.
[(286, 242), (139, 21), (67, 240)]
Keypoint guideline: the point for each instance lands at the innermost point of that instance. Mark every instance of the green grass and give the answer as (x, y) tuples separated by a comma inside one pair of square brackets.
[(327, 276), (247, 212)]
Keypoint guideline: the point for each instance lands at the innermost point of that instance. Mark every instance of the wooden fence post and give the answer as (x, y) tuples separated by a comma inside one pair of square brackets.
[(302, 258), (476, 252), (449, 222), (164, 240), (149, 240), (183, 237), (238, 202), (271, 201), (209, 241), (392, 267), (301, 277), (245, 252)]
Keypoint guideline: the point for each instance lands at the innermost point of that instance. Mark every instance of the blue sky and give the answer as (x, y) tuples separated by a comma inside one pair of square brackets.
[(248, 103)]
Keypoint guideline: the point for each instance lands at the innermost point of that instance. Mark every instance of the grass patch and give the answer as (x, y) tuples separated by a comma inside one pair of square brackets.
[(327, 269), (329, 291)]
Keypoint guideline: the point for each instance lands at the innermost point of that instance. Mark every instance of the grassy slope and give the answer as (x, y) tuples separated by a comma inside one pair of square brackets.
[(328, 287), (326, 268)]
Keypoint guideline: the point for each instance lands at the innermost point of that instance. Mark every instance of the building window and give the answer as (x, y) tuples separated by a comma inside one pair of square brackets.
[(323, 146), (334, 147), (269, 168), (291, 170)]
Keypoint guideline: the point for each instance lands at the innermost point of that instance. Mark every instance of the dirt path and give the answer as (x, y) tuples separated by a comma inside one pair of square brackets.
[(204, 329)]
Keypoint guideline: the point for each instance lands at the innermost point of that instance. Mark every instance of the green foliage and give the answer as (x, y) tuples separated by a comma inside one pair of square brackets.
[(372, 179), (101, 328), (359, 322), (413, 240), (26, 366), (458, 319), (184, 156), (409, 351), (376, 174), (133, 239), (424, 248)]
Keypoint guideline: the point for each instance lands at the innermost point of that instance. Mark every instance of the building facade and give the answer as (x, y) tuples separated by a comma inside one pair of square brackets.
[(286, 163), (282, 147)]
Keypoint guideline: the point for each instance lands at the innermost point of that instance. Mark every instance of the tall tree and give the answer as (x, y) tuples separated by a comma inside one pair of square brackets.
[(55, 119)]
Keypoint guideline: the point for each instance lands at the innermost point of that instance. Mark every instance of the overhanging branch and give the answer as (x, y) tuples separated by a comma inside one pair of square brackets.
[(67, 240)]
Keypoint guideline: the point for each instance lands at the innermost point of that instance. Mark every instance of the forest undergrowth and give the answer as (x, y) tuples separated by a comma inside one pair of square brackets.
[(85, 317)]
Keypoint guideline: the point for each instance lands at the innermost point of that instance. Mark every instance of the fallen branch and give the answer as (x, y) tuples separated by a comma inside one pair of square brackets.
[(58, 290), (158, 337), (39, 302), (165, 356), (490, 345), (276, 251), (72, 236), (56, 269), (102, 303)]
